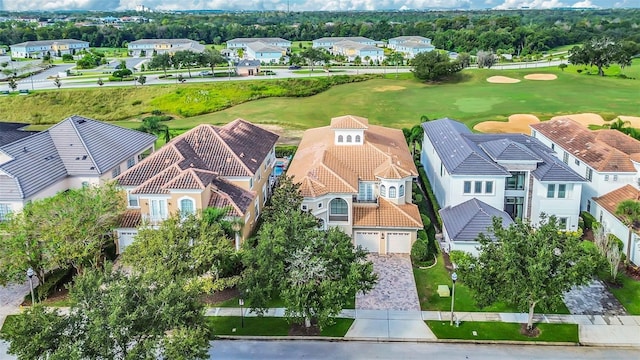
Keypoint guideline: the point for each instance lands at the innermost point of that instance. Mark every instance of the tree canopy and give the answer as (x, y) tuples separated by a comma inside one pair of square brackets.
[(434, 65), (527, 265), (315, 272), (68, 229), (115, 316), (600, 53)]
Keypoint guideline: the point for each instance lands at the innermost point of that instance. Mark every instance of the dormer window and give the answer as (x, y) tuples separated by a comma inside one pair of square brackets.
[(358, 139), (383, 190), (348, 138), (392, 192), (401, 190), (340, 138)]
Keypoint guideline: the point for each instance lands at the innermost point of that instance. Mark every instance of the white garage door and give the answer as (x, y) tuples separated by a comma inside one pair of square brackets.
[(125, 239), (370, 241), (399, 242)]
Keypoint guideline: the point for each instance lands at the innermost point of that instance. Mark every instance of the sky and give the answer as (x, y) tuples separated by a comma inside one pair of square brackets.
[(304, 5)]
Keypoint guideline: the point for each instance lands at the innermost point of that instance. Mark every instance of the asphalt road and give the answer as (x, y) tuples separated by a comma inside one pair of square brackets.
[(308, 350)]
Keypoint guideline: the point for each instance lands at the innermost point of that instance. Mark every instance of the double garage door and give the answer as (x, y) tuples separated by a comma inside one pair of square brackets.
[(394, 242), (125, 239)]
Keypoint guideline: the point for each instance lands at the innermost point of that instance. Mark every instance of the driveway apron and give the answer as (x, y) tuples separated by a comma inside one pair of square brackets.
[(396, 287)]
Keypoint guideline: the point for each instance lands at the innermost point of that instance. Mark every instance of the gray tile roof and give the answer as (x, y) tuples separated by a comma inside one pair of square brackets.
[(49, 42), (10, 132), (75, 146), (465, 221), (465, 153), (459, 155)]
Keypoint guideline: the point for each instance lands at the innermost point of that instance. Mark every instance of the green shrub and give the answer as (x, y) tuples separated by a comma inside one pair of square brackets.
[(419, 251), (285, 150), (136, 102), (113, 78), (55, 280), (425, 221), (67, 57), (588, 219)]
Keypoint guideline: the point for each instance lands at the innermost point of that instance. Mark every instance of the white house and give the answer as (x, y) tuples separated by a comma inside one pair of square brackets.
[(604, 207), (396, 41), (327, 43), (358, 177), (608, 159), (149, 47), (265, 50), (37, 49), (511, 173), (410, 46), (351, 50), (73, 153)]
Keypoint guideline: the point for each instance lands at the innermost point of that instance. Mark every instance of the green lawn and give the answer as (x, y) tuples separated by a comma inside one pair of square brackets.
[(503, 331), (267, 326), (427, 281), (9, 322), (628, 294)]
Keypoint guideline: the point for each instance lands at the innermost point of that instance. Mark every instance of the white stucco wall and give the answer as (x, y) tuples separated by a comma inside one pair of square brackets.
[(614, 226)]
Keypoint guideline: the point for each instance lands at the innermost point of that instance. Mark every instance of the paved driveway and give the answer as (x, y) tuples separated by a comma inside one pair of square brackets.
[(396, 288), (593, 299)]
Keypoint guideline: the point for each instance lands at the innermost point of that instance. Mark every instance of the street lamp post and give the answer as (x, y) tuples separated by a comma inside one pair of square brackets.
[(30, 274), (241, 302), (454, 277)]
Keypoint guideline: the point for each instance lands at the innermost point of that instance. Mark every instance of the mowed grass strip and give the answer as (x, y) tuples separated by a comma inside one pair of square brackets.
[(267, 326), (503, 331)]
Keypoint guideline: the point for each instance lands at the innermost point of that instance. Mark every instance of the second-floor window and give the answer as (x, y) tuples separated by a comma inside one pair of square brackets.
[(561, 191), (115, 172), (589, 174), (565, 157), (131, 162), (551, 190), (383, 190), (392, 192), (338, 210), (365, 191), (158, 208), (401, 191), (187, 207), (516, 181), (133, 200)]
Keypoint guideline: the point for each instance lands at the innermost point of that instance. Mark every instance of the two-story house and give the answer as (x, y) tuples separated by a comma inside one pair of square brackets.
[(410, 46), (358, 177), (327, 43), (511, 173), (149, 47), (610, 161), (75, 152), (351, 50), (37, 49), (208, 166), (265, 50)]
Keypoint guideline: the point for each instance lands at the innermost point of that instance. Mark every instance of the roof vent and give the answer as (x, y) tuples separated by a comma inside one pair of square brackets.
[(241, 155), (84, 157), (24, 149), (81, 121)]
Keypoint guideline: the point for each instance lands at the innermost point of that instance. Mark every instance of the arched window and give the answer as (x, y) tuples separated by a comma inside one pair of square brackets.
[(340, 138), (358, 138), (383, 190), (338, 210), (187, 207), (392, 191), (348, 138), (401, 191)]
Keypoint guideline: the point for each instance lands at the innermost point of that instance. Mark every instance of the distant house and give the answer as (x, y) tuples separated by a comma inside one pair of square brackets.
[(208, 166), (38, 49), (10, 132), (358, 177), (73, 153), (395, 42), (266, 50), (410, 46), (351, 50), (327, 43), (248, 67), (148, 47)]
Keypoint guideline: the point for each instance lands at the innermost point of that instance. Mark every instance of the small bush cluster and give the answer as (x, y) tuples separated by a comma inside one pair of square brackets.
[(285, 150), (588, 220)]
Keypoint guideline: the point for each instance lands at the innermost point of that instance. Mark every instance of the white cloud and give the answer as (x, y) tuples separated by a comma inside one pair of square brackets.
[(584, 4), (531, 4)]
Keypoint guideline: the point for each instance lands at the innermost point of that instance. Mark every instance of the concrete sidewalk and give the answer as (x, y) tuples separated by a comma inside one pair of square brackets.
[(394, 325)]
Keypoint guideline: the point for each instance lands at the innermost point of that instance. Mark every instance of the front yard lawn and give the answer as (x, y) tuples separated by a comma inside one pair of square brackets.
[(503, 331), (267, 326), (427, 281), (628, 294)]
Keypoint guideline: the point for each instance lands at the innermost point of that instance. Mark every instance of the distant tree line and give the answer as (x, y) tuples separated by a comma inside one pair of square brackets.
[(513, 32)]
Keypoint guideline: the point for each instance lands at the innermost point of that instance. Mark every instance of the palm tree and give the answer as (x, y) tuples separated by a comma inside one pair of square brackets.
[(152, 125), (629, 211)]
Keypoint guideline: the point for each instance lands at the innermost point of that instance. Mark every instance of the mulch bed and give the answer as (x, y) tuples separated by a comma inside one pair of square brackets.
[(533, 332), (633, 272), (301, 330), (220, 296), (61, 294)]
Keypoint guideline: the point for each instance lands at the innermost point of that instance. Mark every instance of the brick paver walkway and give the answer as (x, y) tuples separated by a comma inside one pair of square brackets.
[(396, 288)]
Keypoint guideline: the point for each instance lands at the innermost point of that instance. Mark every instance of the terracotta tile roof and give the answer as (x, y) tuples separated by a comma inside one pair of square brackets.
[(130, 219), (603, 150), (226, 194), (387, 214), (611, 200), (349, 122), (322, 167)]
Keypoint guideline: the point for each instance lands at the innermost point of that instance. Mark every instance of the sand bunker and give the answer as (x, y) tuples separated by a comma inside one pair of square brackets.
[(502, 80), (540, 77), (585, 119), (287, 136), (518, 123), (388, 88), (633, 120)]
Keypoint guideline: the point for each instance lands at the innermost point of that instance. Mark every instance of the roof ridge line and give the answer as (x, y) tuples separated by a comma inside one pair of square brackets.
[(224, 143)]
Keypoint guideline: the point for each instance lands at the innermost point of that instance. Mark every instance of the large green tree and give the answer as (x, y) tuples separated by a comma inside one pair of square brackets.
[(71, 228), (182, 248), (315, 272), (154, 125), (161, 61), (528, 265), (186, 58), (115, 316), (313, 56), (433, 66), (601, 53), (211, 57)]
